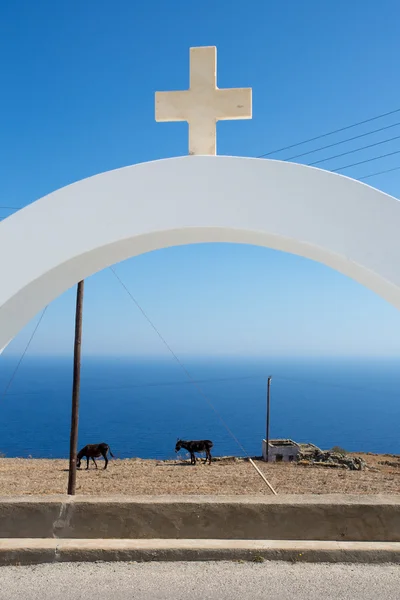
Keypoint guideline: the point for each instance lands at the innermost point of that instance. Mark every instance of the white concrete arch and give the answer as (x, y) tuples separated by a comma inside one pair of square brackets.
[(80, 229)]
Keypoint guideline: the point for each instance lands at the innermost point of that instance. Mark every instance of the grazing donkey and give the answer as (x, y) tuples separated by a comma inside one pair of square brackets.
[(94, 451), (196, 446)]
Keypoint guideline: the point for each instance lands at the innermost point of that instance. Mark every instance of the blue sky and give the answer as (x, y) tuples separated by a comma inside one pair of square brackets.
[(78, 82)]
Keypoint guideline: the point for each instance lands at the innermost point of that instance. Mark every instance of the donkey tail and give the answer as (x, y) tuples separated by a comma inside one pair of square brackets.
[(111, 454)]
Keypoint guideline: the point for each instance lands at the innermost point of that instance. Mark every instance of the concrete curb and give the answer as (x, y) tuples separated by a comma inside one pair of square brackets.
[(326, 518), (34, 551)]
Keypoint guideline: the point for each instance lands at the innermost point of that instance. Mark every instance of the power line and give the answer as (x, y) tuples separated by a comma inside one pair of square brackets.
[(147, 385), (218, 380), (23, 355), (188, 375), (365, 161), (332, 384), (356, 137), (317, 162), (318, 137), (379, 173), (182, 366)]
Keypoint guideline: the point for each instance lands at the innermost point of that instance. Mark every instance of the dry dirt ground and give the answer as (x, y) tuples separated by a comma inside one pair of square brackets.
[(20, 476)]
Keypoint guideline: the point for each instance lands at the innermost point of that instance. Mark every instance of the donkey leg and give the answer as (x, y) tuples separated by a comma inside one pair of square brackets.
[(87, 463), (95, 463)]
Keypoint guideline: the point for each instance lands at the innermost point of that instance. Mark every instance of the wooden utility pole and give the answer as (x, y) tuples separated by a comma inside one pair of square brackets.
[(73, 445), (268, 412)]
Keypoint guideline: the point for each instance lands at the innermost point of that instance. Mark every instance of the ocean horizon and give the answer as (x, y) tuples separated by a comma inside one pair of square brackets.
[(140, 406)]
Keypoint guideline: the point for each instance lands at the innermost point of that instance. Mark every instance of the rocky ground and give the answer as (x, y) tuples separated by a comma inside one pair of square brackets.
[(224, 476)]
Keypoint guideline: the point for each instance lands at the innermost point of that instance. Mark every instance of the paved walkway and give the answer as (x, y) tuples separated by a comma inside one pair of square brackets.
[(200, 581)]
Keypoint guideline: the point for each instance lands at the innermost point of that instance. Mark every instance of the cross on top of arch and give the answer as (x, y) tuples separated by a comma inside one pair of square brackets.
[(203, 104)]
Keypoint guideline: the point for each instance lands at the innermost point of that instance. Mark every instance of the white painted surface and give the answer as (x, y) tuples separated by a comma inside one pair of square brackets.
[(78, 230), (284, 450), (203, 104)]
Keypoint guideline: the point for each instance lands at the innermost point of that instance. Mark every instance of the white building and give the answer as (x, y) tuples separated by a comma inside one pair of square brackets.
[(280, 450)]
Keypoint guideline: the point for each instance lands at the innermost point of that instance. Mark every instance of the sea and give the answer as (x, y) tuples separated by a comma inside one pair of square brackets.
[(141, 406)]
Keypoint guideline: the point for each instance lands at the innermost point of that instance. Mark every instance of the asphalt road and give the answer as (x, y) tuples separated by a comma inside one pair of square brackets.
[(200, 581)]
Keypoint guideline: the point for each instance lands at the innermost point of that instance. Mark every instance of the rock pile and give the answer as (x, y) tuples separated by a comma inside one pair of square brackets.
[(311, 455)]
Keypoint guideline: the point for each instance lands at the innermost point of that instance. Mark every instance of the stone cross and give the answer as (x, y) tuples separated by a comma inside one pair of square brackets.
[(203, 104)]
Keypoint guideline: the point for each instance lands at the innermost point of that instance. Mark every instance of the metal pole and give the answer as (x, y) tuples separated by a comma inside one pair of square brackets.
[(73, 446), (268, 412)]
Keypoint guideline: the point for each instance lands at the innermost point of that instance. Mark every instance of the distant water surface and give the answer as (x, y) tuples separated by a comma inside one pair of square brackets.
[(140, 407)]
